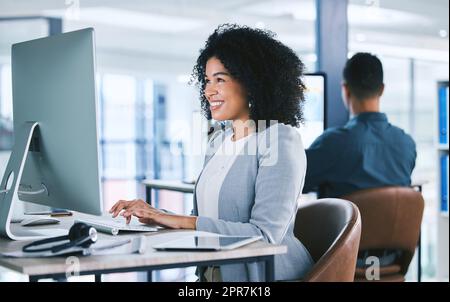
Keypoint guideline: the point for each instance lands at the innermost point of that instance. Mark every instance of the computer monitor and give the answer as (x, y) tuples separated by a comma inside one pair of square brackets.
[(55, 123), (314, 108)]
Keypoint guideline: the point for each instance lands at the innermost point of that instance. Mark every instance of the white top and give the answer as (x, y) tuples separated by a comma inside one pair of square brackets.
[(213, 175)]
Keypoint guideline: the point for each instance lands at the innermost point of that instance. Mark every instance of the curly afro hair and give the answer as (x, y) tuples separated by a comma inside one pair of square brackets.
[(270, 72)]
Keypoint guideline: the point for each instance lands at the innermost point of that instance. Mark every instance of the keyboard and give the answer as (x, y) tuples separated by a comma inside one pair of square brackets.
[(109, 225)]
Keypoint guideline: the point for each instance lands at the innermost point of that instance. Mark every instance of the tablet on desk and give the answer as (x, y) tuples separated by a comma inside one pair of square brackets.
[(206, 243)]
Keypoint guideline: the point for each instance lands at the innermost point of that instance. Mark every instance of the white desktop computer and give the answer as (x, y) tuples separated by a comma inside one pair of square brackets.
[(55, 158)]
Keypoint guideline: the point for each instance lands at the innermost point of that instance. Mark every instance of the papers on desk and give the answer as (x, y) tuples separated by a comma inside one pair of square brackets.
[(102, 247)]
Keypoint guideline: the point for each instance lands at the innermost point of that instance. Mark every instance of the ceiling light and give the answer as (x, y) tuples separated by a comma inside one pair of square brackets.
[(132, 19), (359, 15), (300, 10)]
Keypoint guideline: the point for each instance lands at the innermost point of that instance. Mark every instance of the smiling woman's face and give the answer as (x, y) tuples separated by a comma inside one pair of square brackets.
[(226, 96)]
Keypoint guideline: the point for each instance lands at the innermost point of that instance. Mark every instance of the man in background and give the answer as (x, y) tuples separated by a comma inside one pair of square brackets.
[(368, 151)]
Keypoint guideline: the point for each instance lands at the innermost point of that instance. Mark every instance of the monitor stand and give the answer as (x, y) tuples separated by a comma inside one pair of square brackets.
[(10, 186)]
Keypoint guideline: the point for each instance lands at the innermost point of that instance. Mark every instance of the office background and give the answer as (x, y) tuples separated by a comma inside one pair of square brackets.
[(145, 54)]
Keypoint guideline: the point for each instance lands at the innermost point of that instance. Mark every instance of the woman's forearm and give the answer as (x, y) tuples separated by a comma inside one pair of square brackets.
[(185, 222)]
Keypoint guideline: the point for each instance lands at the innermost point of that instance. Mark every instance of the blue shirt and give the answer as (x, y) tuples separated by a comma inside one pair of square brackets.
[(367, 152)]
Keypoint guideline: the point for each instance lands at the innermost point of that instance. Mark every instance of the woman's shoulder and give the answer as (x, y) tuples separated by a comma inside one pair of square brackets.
[(288, 130), (281, 144), (281, 133), (277, 136)]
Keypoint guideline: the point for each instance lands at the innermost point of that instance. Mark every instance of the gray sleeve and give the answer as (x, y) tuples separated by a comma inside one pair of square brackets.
[(278, 184)]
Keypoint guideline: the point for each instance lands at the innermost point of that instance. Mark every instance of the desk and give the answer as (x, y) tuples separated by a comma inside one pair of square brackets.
[(39, 268), (171, 185)]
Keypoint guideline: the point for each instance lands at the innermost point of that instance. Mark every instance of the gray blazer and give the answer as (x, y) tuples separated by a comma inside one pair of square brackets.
[(259, 197)]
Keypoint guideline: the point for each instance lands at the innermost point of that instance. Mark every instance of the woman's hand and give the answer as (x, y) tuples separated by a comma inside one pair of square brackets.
[(149, 215), (127, 205)]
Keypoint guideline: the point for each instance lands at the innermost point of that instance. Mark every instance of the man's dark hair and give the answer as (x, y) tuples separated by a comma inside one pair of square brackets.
[(270, 72), (363, 74)]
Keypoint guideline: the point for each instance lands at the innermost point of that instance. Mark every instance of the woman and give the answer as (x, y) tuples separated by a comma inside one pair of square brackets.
[(254, 171)]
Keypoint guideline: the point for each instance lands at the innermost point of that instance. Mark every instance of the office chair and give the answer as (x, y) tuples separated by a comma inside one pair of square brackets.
[(391, 219), (330, 229)]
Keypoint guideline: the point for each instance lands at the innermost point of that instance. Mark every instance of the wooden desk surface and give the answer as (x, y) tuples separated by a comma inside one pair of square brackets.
[(57, 265)]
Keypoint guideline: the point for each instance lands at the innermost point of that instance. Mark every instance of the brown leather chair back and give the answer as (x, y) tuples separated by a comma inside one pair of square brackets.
[(330, 229), (391, 219)]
